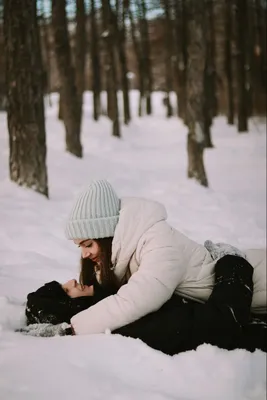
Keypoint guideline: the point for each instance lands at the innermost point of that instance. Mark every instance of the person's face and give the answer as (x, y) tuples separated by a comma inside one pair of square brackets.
[(90, 249), (75, 289)]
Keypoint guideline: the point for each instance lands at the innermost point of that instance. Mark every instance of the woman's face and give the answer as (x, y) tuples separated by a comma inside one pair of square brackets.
[(90, 249), (75, 289)]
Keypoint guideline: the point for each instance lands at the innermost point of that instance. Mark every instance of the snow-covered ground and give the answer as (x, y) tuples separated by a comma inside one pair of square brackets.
[(150, 161)]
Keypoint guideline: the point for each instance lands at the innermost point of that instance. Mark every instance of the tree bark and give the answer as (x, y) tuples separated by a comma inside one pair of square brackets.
[(211, 56), (242, 95), (210, 99), (80, 51), (71, 109), (3, 98), (168, 57), (25, 108), (261, 29), (228, 61), (119, 25), (140, 62), (250, 65), (60, 105), (180, 12), (146, 54), (259, 57), (96, 66), (195, 91), (112, 81), (46, 44)]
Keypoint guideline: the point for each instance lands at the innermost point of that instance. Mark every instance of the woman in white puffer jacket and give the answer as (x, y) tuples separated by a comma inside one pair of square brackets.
[(147, 258)]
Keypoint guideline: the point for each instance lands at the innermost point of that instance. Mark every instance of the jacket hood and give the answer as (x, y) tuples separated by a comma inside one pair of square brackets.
[(137, 215)]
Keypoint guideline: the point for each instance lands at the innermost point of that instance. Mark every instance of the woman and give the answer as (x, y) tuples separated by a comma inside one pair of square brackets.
[(143, 258), (179, 325)]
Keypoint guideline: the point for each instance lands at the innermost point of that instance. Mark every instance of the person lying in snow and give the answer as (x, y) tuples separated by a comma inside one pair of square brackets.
[(225, 320), (147, 261)]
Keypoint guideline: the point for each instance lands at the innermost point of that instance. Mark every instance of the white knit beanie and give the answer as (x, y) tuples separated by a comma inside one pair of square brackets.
[(95, 213)]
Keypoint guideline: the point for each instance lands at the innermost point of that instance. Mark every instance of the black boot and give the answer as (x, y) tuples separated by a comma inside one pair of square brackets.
[(220, 320), (233, 288), (255, 334)]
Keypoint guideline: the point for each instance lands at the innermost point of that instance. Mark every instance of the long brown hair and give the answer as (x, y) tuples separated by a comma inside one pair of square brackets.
[(104, 267)]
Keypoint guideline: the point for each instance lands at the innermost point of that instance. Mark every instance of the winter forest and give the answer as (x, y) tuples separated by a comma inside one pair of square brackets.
[(211, 54), (164, 99)]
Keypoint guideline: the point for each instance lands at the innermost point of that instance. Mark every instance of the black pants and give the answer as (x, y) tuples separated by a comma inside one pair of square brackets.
[(225, 320)]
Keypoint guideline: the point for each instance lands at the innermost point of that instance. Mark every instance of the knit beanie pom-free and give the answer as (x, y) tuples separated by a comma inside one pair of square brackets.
[(95, 213)]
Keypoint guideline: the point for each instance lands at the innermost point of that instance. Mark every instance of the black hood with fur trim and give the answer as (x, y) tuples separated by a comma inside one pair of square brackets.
[(51, 304)]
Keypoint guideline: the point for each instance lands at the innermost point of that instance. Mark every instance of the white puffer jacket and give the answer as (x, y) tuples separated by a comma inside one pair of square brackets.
[(159, 261)]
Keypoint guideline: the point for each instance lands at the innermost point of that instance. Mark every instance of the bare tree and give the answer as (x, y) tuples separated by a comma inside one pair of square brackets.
[(146, 53), (210, 100), (71, 109), (228, 61), (119, 25), (80, 52), (45, 44), (140, 61), (261, 10), (211, 55), (25, 108), (95, 62), (241, 45), (259, 56), (168, 55), (180, 34), (195, 91), (2, 63), (108, 36), (250, 65)]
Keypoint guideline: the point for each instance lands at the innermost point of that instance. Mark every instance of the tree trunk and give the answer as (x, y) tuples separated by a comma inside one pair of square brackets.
[(168, 57), (180, 12), (176, 51), (46, 44), (60, 105), (71, 109), (146, 53), (195, 91), (95, 61), (80, 52), (140, 62), (3, 93), (112, 81), (210, 99), (2, 97), (228, 61), (119, 25), (242, 98), (259, 56), (25, 108), (207, 107), (211, 56), (261, 28), (250, 65)]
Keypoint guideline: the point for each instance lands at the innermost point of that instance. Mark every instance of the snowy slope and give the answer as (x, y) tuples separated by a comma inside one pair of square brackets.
[(150, 161)]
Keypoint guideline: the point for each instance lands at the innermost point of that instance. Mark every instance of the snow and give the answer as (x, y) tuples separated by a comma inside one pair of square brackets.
[(105, 34), (149, 161)]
